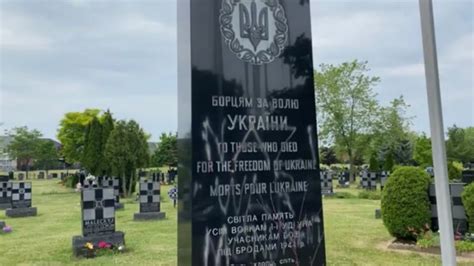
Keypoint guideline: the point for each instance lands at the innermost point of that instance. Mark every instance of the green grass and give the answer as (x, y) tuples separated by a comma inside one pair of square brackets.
[(353, 235)]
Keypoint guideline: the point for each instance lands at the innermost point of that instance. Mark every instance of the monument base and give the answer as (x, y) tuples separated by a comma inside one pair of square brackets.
[(21, 212), (141, 216), (78, 242), (4, 206), (119, 206)]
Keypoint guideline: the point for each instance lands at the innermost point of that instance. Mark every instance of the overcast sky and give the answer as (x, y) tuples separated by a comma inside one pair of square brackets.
[(62, 56)]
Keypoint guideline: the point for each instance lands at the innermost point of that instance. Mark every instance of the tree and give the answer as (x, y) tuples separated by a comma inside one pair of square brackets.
[(390, 133), (167, 152), (126, 151), (460, 144), (422, 151), (374, 165), (346, 104), (46, 155), (327, 155), (92, 155), (107, 122), (24, 146), (72, 131)]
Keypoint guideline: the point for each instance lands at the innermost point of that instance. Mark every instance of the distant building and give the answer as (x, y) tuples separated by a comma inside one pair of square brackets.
[(7, 163)]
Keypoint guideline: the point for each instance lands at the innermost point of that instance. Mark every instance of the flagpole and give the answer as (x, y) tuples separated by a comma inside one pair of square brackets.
[(443, 201)]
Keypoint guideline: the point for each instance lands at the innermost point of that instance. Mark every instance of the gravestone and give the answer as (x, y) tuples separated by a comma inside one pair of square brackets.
[(468, 176), (368, 180), (41, 175), (115, 184), (247, 141), (459, 215), (98, 219), (149, 198), (21, 201), (344, 179), (21, 176), (5, 178), (173, 194), (326, 183), (383, 178), (5, 195), (2, 224)]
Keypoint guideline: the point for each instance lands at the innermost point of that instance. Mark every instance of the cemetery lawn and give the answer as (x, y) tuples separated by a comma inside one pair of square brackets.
[(353, 235)]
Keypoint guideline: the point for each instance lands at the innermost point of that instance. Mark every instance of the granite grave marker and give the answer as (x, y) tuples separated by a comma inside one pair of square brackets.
[(149, 198), (98, 218), (5, 195), (21, 200)]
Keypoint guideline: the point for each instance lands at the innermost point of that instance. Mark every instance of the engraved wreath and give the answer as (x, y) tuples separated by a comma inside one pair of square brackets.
[(254, 30)]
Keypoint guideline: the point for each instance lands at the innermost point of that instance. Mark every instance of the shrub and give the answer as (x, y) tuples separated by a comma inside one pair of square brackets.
[(468, 202), (464, 246), (405, 202), (454, 173), (71, 181)]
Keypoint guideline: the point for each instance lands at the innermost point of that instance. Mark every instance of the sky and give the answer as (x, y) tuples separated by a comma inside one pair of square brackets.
[(64, 56)]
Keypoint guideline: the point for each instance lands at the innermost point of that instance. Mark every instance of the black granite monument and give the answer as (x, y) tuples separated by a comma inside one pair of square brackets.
[(249, 186), (5, 195), (149, 198), (98, 219), (21, 199)]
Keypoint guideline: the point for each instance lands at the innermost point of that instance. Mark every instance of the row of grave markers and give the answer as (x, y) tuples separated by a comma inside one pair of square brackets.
[(369, 180)]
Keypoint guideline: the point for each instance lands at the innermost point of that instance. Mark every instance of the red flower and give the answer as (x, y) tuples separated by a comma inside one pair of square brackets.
[(103, 244)]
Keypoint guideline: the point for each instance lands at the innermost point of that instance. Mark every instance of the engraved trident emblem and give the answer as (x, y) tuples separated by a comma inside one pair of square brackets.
[(252, 28)]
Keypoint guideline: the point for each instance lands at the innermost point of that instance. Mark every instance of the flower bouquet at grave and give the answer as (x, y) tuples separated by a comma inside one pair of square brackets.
[(102, 248), (7, 229)]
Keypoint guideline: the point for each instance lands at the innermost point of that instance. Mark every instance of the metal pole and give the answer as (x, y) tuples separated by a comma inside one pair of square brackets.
[(448, 252)]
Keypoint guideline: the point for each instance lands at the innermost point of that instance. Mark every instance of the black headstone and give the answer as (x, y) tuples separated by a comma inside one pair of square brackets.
[(468, 176), (5, 194), (21, 195), (460, 224), (249, 186), (150, 196), (98, 210)]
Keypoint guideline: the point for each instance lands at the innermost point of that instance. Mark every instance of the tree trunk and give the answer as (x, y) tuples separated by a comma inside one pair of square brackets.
[(124, 186), (132, 182), (351, 166)]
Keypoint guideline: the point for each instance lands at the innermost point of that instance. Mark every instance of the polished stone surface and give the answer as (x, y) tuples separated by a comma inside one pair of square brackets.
[(247, 141), (149, 216)]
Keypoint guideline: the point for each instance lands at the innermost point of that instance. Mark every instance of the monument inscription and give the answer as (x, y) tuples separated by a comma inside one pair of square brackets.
[(249, 182)]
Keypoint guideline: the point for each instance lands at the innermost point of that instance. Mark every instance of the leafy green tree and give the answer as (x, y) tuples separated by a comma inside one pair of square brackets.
[(460, 144), (422, 153), (107, 122), (391, 132), (388, 162), (92, 156), (127, 151), (167, 152), (346, 104), (327, 155), (374, 165), (24, 146), (72, 131), (47, 156)]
